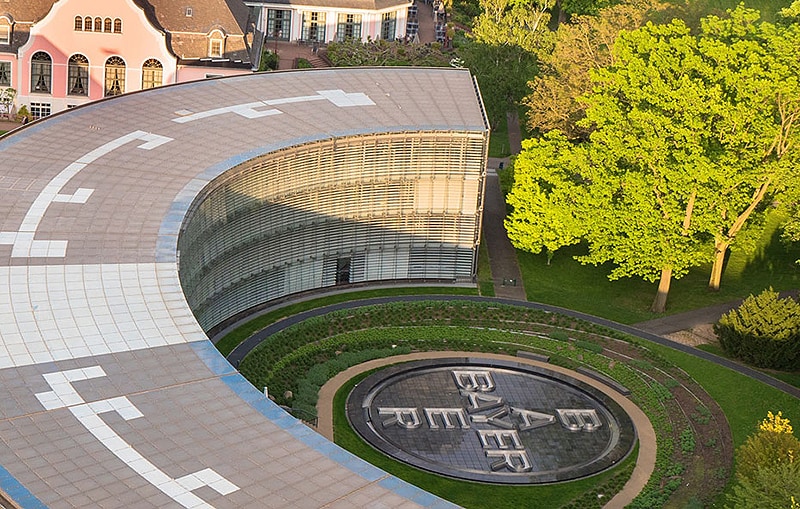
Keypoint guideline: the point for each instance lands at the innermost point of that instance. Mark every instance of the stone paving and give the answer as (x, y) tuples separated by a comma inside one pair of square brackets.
[(113, 395)]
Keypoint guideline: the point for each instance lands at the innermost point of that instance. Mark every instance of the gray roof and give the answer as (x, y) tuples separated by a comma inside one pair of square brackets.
[(112, 394)]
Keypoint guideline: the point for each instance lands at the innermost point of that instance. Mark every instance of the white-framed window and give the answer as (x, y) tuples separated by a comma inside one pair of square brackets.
[(5, 32), (348, 27), (39, 110), (117, 26), (107, 23), (87, 24), (41, 72), (314, 26), (78, 75), (279, 24), (152, 73), (388, 25), (98, 24), (78, 24), (189, 12), (216, 44), (115, 76), (5, 74)]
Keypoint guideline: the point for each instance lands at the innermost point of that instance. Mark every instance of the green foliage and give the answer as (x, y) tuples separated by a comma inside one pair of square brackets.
[(769, 488), (303, 63), (502, 71), (766, 450), (768, 467), (687, 440), (269, 61), (764, 331), (687, 147), (380, 52)]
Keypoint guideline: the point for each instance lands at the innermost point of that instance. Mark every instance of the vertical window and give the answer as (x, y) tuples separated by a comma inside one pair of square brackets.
[(87, 24), (348, 27), (117, 26), (189, 12), (115, 76), (152, 73), (98, 25), (41, 72), (78, 23), (5, 33), (388, 25), (314, 26), (107, 25), (78, 75), (216, 44), (5, 74), (279, 24), (39, 110)]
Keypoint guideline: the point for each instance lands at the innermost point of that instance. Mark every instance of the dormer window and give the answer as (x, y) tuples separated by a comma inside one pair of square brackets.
[(216, 45), (189, 12), (5, 32)]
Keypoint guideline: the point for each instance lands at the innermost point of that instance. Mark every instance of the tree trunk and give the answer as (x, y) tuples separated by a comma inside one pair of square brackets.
[(660, 302), (720, 248)]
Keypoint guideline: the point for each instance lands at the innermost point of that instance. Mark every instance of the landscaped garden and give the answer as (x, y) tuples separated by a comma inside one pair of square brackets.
[(694, 441)]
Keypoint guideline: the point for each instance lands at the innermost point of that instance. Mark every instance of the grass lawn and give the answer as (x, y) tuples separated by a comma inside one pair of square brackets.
[(567, 283), (498, 140), (3, 132)]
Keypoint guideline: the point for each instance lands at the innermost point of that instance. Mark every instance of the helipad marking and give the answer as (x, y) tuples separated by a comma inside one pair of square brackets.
[(64, 395), (25, 246), (251, 110)]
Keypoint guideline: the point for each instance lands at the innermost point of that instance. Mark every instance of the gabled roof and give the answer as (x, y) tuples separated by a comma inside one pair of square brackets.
[(188, 37), (187, 34), (367, 5)]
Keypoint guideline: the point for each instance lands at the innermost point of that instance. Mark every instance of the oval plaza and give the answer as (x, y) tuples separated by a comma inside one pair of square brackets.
[(131, 227)]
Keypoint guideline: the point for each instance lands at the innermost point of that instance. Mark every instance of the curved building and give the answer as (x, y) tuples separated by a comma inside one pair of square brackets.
[(131, 226)]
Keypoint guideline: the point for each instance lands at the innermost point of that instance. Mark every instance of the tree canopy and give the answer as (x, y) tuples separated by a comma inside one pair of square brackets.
[(689, 138)]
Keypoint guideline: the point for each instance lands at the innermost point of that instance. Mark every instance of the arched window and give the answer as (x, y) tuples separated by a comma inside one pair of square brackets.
[(117, 26), (78, 75), (152, 73), (41, 72), (87, 23), (107, 25), (216, 46), (115, 76), (98, 25), (78, 23)]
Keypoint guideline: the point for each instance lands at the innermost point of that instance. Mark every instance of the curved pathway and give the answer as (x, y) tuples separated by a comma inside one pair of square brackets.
[(246, 346)]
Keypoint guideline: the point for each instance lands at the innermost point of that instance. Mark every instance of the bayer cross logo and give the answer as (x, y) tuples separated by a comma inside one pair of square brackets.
[(491, 421)]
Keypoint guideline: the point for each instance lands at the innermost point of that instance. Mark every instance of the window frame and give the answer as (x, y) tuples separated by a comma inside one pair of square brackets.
[(348, 26), (5, 31), (78, 23), (216, 38), (40, 110), (4, 83), (389, 26), (88, 24), (74, 68), (279, 21), (109, 81), (37, 73), (314, 25), (149, 80), (117, 26)]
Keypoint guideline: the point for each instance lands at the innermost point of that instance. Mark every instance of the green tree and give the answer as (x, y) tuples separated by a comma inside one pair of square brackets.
[(756, 67), (567, 56), (518, 23), (768, 467), (639, 174)]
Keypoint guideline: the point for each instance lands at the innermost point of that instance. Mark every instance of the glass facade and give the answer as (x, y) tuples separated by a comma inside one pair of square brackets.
[(279, 24), (401, 206)]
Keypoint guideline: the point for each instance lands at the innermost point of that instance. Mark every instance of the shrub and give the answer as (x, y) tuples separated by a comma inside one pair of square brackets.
[(764, 331), (269, 60), (772, 446)]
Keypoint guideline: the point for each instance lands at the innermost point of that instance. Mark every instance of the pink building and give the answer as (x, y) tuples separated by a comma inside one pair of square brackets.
[(58, 54)]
